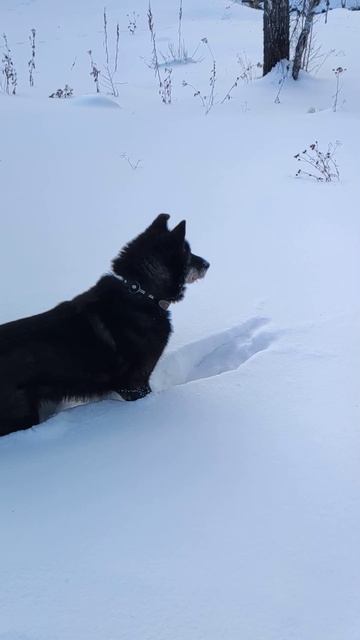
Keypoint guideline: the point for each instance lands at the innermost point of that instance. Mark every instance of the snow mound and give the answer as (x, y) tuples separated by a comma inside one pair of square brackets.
[(95, 101)]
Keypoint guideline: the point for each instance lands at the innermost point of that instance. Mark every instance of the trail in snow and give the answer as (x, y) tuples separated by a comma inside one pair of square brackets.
[(216, 354)]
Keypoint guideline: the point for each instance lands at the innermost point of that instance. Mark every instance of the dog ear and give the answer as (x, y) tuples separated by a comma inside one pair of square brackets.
[(160, 223), (179, 231)]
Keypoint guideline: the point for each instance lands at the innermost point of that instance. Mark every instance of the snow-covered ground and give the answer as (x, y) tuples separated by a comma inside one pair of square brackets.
[(226, 505)]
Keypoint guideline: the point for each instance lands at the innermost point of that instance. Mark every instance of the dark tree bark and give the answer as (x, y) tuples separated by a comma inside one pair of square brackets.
[(276, 33), (304, 37)]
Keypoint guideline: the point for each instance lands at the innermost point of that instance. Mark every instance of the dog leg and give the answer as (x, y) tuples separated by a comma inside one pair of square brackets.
[(18, 410), (134, 393)]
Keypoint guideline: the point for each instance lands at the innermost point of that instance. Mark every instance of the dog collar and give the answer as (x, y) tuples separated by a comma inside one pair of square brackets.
[(134, 287)]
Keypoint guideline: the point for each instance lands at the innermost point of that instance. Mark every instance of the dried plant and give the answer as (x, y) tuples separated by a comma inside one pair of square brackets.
[(164, 84), (173, 56), (117, 47), (284, 72), (108, 76), (155, 58), (249, 71), (207, 100), (106, 47), (228, 94), (167, 86), (178, 53), (95, 72), (8, 69), (338, 73), (317, 58), (212, 81), (66, 92), (31, 63), (132, 25), (181, 45), (197, 92), (323, 167)]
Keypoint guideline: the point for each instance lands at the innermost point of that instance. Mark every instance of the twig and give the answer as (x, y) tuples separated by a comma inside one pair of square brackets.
[(133, 165)]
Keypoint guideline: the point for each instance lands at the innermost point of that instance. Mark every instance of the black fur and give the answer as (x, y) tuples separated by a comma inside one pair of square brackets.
[(106, 339)]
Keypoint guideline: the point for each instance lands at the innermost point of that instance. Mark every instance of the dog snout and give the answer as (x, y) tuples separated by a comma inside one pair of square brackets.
[(205, 265), (199, 263)]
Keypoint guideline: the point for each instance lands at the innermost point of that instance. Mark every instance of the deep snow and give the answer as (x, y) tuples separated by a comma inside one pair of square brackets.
[(226, 505)]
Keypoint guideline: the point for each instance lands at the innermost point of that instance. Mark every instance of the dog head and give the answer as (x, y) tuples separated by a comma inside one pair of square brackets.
[(161, 260)]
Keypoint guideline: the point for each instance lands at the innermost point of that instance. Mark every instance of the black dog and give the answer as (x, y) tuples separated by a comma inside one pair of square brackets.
[(106, 339)]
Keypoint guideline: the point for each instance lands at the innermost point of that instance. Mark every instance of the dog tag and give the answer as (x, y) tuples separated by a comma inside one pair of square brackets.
[(164, 304)]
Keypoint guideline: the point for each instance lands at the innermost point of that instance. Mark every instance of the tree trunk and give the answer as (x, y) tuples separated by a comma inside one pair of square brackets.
[(304, 37), (276, 33)]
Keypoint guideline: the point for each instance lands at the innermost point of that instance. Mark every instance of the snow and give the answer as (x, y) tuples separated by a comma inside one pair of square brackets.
[(226, 504)]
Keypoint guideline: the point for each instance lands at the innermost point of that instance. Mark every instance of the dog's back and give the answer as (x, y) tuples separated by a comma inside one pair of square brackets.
[(83, 348)]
